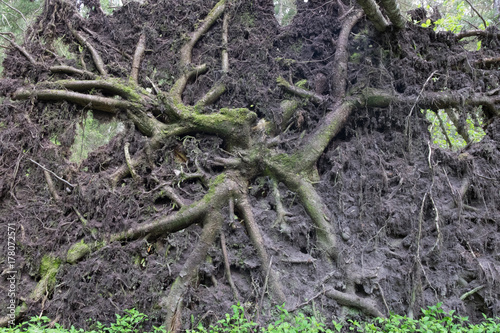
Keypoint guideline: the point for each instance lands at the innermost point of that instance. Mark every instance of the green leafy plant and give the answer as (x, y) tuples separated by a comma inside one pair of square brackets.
[(434, 320), (130, 322)]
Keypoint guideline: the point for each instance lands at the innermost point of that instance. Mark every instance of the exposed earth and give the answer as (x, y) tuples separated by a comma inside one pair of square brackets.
[(419, 223)]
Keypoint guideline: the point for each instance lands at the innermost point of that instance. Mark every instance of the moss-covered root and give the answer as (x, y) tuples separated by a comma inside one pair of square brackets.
[(258, 242), (317, 210), (48, 271), (172, 303), (216, 197)]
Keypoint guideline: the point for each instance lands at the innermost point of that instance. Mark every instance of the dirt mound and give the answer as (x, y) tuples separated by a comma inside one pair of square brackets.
[(420, 222)]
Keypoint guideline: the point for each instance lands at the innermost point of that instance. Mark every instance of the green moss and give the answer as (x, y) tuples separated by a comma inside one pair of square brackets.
[(302, 84), (77, 251), (355, 58), (48, 271), (288, 162), (213, 184), (49, 264)]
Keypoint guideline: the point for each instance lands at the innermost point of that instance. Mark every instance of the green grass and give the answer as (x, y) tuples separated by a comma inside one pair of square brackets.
[(433, 320)]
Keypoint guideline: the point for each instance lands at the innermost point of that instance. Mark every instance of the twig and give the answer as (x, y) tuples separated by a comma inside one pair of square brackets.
[(129, 161), (443, 129), (16, 10), (44, 168), (80, 216), (471, 292), (416, 101), (307, 302), (50, 184), (16, 170), (478, 14), (383, 297)]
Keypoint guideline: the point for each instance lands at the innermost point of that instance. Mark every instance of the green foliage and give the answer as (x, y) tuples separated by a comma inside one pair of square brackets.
[(15, 17), (434, 320), (91, 134), (457, 15), (131, 322), (475, 131)]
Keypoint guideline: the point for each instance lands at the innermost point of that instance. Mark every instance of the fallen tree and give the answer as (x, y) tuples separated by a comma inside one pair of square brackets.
[(300, 151)]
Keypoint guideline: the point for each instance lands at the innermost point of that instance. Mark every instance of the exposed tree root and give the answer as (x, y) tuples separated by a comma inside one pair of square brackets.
[(99, 63), (254, 233), (172, 303), (51, 187), (355, 301), (136, 63), (227, 268)]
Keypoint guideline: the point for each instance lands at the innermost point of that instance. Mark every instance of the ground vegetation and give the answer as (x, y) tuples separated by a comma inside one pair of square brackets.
[(257, 163)]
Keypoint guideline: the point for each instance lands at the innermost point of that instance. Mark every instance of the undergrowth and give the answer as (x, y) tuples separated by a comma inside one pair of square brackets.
[(433, 320)]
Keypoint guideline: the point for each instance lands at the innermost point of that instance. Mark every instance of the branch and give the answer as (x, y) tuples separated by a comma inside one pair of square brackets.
[(50, 184), (211, 96), (473, 33), (317, 141), (487, 61), (99, 63), (478, 14), (428, 100), (179, 85), (136, 63), (129, 161), (374, 14), (315, 208), (227, 267), (169, 192)]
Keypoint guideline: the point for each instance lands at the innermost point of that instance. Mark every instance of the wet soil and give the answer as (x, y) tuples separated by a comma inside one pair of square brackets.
[(422, 222)]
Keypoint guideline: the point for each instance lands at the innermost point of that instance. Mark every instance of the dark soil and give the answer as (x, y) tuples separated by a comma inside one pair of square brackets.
[(394, 196)]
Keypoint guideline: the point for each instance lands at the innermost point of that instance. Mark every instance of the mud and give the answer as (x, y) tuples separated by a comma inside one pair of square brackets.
[(394, 196)]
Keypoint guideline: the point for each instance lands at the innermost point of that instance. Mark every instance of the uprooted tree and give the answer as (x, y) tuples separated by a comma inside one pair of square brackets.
[(259, 163)]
